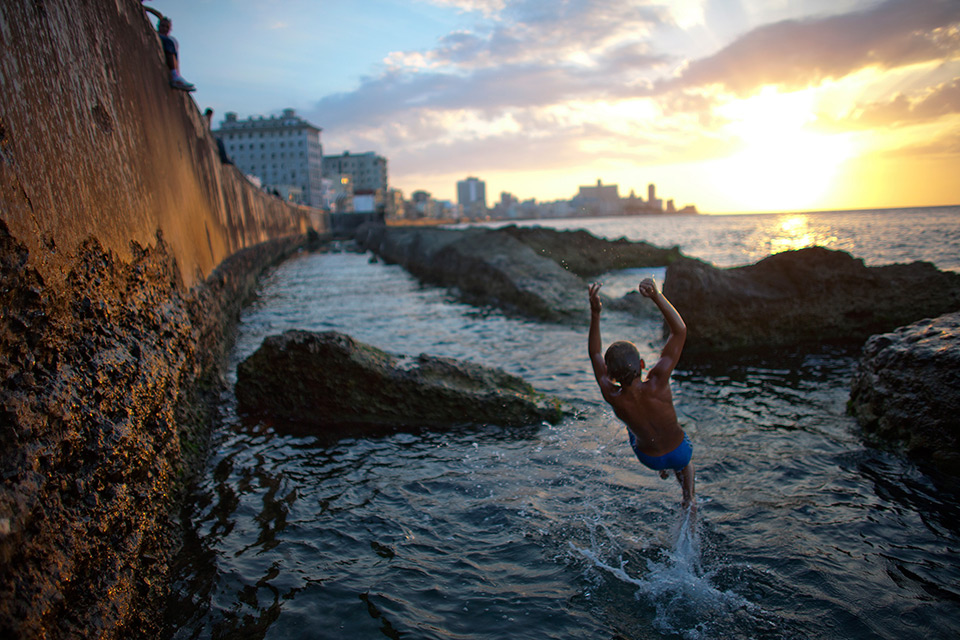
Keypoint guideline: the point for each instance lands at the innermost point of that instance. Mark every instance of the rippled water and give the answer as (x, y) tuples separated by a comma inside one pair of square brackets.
[(557, 531), (879, 237)]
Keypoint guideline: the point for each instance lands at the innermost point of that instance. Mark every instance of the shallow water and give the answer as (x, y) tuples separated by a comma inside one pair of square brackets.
[(557, 531)]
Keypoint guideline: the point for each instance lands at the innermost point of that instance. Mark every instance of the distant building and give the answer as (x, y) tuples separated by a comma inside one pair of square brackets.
[(395, 204), (472, 197), (283, 152), (366, 171), (424, 206), (600, 200), (652, 201), (339, 194)]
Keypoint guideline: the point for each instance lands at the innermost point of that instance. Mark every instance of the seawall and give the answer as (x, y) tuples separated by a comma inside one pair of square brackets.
[(126, 252)]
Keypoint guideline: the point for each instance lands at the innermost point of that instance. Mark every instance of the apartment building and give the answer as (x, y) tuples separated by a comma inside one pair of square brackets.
[(366, 172), (283, 152)]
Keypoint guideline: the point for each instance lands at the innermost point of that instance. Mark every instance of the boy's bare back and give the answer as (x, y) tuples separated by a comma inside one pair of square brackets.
[(646, 407)]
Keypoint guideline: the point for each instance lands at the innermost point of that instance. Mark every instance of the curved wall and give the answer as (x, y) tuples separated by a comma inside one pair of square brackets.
[(126, 252)]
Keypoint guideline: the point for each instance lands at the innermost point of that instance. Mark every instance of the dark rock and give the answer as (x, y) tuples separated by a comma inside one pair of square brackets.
[(813, 295), (634, 303), (343, 387), (589, 256), (488, 268), (534, 272), (906, 390)]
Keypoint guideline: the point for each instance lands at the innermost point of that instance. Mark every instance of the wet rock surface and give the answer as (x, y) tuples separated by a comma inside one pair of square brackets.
[(813, 295), (336, 386), (906, 390), (103, 385), (487, 267), (531, 272), (589, 256)]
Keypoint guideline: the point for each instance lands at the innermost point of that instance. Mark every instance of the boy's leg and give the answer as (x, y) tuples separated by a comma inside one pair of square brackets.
[(686, 479)]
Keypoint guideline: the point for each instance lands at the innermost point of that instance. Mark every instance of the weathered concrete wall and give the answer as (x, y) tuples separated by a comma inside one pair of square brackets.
[(93, 142), (126, 251)]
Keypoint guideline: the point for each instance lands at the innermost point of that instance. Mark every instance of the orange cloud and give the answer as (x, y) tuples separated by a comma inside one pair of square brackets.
[(795, 54)]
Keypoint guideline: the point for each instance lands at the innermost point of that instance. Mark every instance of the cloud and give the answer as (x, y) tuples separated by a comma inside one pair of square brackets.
[(903, 109), (795, 54), (944, 145), (534, 53), (487, 7), (573, 83)]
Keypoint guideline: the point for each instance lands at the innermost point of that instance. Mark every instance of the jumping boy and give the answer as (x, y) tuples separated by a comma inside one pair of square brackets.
[(645, 405)]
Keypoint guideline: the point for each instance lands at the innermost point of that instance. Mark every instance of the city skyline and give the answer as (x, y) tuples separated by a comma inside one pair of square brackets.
[(734, 105)]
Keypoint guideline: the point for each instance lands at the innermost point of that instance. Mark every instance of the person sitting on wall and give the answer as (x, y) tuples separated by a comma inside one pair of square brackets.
[(171, 51), (221, 150)]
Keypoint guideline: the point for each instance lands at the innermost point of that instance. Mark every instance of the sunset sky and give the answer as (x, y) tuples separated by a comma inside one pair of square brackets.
[(732, 105)]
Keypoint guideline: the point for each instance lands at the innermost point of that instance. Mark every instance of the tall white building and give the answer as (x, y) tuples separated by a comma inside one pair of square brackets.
[(283, 152), (472, 196), (367, 172)]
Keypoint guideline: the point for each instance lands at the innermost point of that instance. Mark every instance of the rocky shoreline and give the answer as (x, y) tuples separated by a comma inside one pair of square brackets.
[(110, 385), (797, 299), (533, 272)]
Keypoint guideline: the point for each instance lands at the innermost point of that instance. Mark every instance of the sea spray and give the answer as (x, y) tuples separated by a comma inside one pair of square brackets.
[(683, 595)]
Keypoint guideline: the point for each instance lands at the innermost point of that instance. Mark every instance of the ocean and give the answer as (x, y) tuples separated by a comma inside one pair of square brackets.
[(556, 531)]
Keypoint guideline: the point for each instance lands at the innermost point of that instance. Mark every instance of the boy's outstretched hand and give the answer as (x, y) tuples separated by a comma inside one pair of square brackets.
[(595, 304), (648, 288)]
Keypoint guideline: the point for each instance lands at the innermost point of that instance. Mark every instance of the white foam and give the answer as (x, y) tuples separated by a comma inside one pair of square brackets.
[(686, 601)]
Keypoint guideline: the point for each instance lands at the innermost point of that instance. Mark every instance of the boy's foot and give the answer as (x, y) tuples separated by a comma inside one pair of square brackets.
[(663, 474), (183, 85)]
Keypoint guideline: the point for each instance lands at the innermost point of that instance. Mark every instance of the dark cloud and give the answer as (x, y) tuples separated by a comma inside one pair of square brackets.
[(901, 110), (942, 100), (528, 57), (800, 53)]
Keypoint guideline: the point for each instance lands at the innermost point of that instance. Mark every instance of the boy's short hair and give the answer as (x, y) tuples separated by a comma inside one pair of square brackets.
[(623, 362)]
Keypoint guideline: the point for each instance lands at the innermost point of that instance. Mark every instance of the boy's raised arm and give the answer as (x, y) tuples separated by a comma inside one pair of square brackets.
[(594, 342), (670, 354)]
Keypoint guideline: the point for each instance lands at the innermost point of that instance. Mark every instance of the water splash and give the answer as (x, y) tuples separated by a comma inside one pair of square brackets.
[(682, 593)]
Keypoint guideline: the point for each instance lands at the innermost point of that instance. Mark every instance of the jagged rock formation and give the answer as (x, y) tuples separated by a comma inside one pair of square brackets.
[(487, 267), (906, 390), (332, 384), (534, 272), (813, 295), (587, 255)]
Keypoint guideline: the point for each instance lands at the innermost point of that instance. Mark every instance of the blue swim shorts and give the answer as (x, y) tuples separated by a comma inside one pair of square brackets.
[(676, 459)]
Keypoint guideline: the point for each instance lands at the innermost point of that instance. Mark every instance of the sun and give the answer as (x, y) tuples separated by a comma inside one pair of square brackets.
[(782, 165)]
